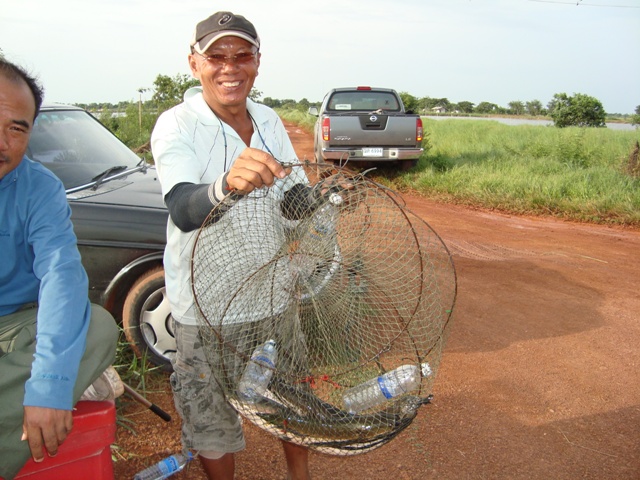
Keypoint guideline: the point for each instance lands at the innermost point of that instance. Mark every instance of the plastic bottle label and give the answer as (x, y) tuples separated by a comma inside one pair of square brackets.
[(169, 465), (264, 360), (383, 388), (319, 232)]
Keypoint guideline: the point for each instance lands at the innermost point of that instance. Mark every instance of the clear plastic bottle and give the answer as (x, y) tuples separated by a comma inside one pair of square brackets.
[(323, 227), (258, 372), (378, 390), (165, 467)]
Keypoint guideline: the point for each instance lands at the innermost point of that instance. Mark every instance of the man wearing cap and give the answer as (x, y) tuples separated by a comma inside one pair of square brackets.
[(216, 141)]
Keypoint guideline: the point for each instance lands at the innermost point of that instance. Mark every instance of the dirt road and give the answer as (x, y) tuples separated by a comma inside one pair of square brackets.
[(540, 377)]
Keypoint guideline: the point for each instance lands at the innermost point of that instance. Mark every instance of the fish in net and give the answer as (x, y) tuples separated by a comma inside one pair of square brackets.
[(324, 304)]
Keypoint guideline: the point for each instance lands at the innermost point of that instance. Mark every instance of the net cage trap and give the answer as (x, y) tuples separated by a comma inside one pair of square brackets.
[(323, 304)]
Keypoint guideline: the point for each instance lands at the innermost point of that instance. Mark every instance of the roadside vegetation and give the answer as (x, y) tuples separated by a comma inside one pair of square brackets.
[(582, 174), (572, 171), (575, 173)]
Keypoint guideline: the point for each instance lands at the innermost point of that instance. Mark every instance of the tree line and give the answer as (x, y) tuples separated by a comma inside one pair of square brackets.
[(576, 110), (134, 120)]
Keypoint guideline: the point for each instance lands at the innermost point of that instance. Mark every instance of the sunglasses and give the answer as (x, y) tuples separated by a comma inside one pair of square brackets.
[(218, 59)]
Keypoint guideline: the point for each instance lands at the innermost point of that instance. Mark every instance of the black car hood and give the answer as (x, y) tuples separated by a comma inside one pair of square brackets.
[(139, 189)]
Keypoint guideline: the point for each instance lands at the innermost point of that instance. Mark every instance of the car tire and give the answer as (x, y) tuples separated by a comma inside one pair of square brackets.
[(146, 318)]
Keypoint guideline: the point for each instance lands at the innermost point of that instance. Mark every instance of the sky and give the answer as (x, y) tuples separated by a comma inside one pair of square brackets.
[(498, 51)]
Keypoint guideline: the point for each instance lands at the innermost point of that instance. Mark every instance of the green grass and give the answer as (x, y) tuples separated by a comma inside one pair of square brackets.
[(578, 174), (573, 173), (140, 375), (299, 117), (136, 372)]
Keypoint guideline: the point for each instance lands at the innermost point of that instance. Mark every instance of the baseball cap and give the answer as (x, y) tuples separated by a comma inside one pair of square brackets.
[(223, 24)]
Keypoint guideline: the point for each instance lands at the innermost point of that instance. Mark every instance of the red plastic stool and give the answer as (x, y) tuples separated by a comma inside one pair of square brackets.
[(85, 453)]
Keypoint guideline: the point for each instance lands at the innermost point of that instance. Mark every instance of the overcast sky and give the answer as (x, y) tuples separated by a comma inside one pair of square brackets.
[(465, 50)]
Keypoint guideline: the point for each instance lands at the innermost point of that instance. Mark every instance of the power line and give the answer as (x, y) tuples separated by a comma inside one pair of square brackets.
[(580, 3)]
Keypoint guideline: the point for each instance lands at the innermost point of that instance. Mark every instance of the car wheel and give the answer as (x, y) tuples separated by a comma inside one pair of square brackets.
[(146, 318)]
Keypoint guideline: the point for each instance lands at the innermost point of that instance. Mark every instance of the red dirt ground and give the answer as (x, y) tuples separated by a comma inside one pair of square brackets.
[(539, 379)]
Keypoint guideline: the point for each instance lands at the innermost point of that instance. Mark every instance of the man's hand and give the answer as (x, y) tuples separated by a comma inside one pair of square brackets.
[(254, 169), (46, 427)]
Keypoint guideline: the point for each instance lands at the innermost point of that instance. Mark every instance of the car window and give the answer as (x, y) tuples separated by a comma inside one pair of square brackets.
[(76, 146), (363, 100)]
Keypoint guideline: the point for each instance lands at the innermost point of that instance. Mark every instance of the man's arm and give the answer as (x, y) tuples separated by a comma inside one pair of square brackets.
[(62, 321), (189, 204)]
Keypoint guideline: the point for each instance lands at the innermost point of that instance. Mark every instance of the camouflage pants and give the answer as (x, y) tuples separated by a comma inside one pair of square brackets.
[(209, 422), (207, 367)]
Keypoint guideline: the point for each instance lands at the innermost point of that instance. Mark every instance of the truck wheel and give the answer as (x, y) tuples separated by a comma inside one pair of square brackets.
[(146, 318)]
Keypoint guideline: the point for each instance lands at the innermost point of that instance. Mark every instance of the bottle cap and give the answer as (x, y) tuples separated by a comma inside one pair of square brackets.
[(335, 199)]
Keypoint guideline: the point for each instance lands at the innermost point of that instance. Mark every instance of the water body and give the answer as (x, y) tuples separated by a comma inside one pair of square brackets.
[(527, 121)]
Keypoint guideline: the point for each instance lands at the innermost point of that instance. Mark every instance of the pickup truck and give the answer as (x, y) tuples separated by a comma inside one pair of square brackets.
[(366, 125)]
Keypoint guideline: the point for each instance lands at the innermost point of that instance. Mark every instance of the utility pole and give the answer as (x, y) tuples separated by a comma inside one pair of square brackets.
[(140, 92)]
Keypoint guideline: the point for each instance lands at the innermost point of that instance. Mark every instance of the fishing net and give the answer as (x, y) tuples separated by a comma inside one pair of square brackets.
[(342, 295)]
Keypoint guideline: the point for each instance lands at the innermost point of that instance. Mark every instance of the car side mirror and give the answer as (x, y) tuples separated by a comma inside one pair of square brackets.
[(313, 111)]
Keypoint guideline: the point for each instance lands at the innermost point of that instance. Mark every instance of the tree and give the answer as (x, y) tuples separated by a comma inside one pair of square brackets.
[(534, 107), (578, 110), (465, 107), (288, 103), (255, 94), (635, 119), (486, 107), (140, 92), (170, 91), (303, 105), (516, 107), (410, 102), (272, 102)]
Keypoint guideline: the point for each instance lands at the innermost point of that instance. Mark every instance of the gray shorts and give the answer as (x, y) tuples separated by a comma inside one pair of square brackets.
[(209, 422)]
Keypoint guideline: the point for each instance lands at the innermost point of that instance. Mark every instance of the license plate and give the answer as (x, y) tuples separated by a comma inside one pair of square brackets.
[(372, 152)]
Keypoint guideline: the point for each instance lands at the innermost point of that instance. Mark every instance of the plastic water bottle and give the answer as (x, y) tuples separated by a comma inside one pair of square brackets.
[(258, 373), (318, 243), (164, 468), (323, 225), (378, 390)]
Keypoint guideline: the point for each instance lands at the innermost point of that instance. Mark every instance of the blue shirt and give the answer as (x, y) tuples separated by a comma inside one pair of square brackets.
[(41, 263)]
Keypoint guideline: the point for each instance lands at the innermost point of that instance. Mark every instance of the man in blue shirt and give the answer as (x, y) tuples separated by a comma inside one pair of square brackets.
[(46, 321)]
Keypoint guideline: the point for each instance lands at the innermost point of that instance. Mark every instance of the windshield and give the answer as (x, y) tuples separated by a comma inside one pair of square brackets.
[(363, 100), (76, 147)]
